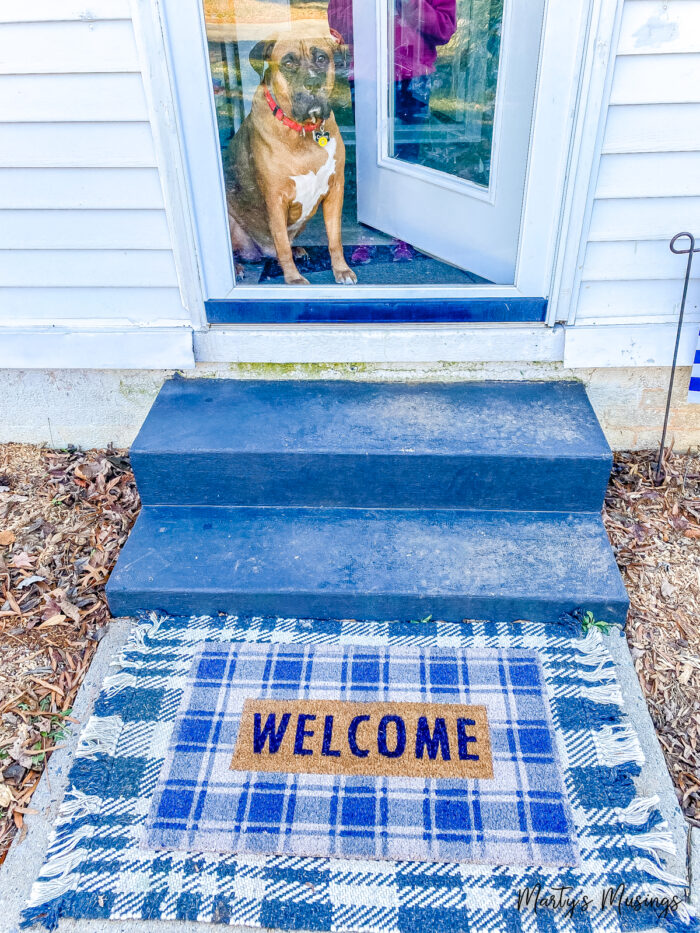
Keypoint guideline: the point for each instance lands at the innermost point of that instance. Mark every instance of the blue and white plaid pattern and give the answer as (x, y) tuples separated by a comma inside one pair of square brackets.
[(96, 866), (694, 386), (520, 816)]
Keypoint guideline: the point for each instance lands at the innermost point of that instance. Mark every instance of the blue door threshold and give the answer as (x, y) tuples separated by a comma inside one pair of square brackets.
[(378, 311)]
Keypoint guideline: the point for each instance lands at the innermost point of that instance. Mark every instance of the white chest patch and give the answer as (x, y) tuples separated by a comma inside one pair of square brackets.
[(312, 186)]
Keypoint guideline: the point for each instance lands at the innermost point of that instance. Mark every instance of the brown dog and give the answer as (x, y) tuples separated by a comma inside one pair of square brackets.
[(288, 156)]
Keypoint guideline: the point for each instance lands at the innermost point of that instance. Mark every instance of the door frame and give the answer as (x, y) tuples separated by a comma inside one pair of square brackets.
[(175, 54)]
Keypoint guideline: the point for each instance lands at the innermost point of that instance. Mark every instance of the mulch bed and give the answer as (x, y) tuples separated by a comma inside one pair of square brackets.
[(655, 531), (63, 517), (65, 514)]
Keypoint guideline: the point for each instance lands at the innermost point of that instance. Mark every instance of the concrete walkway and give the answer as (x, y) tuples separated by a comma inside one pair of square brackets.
[(27, 854)]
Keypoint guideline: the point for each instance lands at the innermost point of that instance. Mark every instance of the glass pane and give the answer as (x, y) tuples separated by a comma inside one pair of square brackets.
[(445, 73), (283, 78)]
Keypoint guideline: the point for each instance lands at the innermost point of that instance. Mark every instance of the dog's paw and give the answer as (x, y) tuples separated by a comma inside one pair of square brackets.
[(344, 275), (296, 280)]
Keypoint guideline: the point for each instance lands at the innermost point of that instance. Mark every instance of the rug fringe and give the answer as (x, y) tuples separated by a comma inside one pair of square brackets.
[(595, 655), (47, 915), (118, 682), (44, 891), (54, 880), (121, 661), (137, 642), (603, 693), (77, 804), (656, 841), (639, 811), (651, 868), (604, 671), (99, 737), (61, 847), (617, 745), (592, 646), (154, 624)]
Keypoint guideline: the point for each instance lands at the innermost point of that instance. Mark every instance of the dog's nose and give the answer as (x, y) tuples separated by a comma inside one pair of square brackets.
[(314, 81)]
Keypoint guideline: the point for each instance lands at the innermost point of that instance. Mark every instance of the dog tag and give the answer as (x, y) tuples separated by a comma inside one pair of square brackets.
[(321, 137)]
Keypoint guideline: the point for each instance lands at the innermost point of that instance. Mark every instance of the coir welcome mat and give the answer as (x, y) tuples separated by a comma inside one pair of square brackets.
[(169, 817), (391, 751)]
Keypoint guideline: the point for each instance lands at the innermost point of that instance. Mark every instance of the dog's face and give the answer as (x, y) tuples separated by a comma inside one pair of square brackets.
[(300, 73)]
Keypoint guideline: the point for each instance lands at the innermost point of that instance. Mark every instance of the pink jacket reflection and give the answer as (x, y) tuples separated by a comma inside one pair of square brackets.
[(420, 26)]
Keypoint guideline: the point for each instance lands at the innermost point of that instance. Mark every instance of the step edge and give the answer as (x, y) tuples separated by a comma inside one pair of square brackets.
[(617, 600), (603, 457), (595, 515)]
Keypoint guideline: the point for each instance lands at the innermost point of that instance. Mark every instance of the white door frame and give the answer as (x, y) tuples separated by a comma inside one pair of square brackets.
[(182, 47)]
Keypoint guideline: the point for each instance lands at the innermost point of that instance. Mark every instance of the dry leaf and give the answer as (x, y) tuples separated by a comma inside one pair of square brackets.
[(52, 688), (67, 608), (35, 578), (14, 605), (57, 619), (7, 538), (22, 561)]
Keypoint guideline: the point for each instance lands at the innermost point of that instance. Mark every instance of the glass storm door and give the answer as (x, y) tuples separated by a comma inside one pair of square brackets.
[(443, 99)]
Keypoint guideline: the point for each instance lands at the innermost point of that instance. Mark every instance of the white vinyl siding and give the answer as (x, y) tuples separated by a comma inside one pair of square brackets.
[(86, 232), (84, 236), (648, 182)]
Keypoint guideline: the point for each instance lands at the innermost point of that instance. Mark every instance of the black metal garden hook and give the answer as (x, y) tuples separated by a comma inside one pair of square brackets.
[(690, 251)]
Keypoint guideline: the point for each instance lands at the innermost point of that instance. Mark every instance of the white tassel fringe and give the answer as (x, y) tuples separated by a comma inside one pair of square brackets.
[(684, 912), (639, 811), (617, 745), (99, 737), (64, 865), (55, 875), (77, 804), (118, 682), (137, 642), (656, 841), (592, 645), (603, 693), (657, 871), (604, 671)]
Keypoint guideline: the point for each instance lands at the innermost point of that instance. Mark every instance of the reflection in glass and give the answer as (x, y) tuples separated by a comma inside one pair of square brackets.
[(441, 117), (445, 64)]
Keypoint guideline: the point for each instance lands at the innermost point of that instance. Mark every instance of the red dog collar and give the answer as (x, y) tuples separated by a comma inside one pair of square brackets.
[(280, 115)]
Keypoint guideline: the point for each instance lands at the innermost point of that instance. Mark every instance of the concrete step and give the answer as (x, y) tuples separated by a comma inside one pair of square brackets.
[(491, 445), (368, 564)]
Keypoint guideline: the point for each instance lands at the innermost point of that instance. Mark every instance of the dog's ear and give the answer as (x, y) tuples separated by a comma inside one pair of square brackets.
[(260, 54), (338, 51)]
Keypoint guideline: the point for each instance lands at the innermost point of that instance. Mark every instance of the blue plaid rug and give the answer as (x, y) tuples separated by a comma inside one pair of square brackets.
[(519, 816), (100, 865)]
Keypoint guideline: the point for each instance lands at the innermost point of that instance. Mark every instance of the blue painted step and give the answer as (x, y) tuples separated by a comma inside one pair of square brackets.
[(491, 445), (368, 564)]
